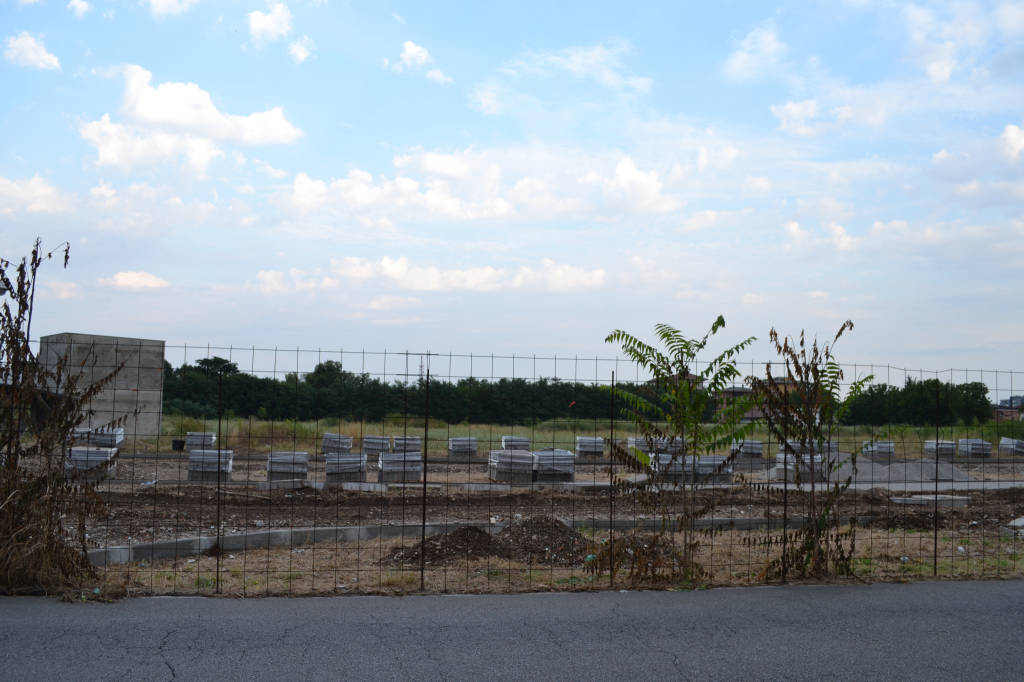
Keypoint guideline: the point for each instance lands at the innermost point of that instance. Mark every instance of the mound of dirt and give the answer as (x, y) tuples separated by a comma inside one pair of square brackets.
[(459, 545), (544, 540)]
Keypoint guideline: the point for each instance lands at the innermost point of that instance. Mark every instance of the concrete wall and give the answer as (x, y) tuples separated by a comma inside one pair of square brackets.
[(138, 386)]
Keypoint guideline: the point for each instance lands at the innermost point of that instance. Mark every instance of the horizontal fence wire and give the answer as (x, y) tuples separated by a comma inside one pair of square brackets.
[(260, 471)]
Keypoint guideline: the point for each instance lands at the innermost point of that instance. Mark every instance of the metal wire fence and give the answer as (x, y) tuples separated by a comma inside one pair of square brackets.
[(270, 471)]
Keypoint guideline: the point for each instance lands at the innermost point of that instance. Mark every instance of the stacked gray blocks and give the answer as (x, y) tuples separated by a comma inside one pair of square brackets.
[(375, 445), (102, 437), (942, 448), (747, 448), (91, 463), (203, 465), (461, 448), (708, 469), (341, 465), (510, 466), (136, 393), (515, 443), (287, 466), (671, 446), (1011, 447), (200, 440), (589, 446), (400, 467), (789, 466), (974, 447), (407, 444), (554, 465), (879, 448)]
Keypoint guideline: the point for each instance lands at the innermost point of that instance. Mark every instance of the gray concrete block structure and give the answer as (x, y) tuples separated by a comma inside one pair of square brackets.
[(137, 390)]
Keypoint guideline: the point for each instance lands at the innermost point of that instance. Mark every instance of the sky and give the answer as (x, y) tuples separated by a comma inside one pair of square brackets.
[(524, 177)]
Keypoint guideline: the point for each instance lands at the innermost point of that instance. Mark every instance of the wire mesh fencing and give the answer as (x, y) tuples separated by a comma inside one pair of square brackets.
[(269, 471)]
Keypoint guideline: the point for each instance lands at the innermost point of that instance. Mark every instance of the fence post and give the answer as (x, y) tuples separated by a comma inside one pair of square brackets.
[(611, 493), (423, 511)]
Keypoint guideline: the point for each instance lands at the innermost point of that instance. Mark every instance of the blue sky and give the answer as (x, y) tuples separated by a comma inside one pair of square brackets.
[(522, 178)]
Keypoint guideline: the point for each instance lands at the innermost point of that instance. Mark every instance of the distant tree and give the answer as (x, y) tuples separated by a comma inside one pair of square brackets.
[(216, 365)]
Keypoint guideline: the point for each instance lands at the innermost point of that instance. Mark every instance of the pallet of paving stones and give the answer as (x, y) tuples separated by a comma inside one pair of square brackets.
[(789, 465), (375, 445), (336, 443), (345, 467), (515, 443), (462, 447), (287, 466), (589, 446), (90, 462), (200, 440), (878, 448), (399, 467), (1011, 447), (974, 447), (407, 444), (101, 437), (510, 466), (554, 464), (747, 448), (210, 465), (942, 448)]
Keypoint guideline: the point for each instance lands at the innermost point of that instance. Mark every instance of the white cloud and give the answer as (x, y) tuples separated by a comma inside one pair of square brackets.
[(34, 195), (61, 290), (187, 107), (391, 302), (122, 147), (758, 184), (161, 8), (1013, 141), (599, 63), (301, 49), (265, 167), (756, 55), (266, 27), (413, 56), (796, 117), (272, 282), (551, 276), (78, 7), (133, 281), (439, 76), (841, 239), (634, 189), (891, 227), (1010, 18), (752, 299), (796, 233), (718, 157), (25, 50)]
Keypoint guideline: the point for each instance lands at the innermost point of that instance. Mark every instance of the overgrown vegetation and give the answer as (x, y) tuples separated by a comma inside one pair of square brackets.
[(803, 407), (672, 407), (43, 511)]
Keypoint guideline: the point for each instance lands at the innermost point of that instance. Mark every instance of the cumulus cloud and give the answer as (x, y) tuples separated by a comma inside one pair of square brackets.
[(78, 7), (796, 233), (177, 120), (25, 49), (162, 8), (133, 280), (634, 189), (301, 49), (841, 239), (551, 276), (1012, 141), (34, 195), (266, 27), (797, 117), (60, 290), (756, 55), (415, 58)]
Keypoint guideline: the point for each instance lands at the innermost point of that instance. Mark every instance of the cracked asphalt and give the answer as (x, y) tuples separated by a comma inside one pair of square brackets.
[(926, 631)]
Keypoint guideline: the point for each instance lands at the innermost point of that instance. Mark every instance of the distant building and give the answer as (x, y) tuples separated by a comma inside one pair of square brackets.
[(1014, 401), (731, 394), (1005, 414)]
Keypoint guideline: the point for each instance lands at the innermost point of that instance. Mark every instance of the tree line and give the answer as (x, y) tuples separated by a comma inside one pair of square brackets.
[(330, 391)]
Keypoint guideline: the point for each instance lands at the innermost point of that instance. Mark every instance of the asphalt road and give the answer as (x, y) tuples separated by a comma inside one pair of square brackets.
[(926, 631)]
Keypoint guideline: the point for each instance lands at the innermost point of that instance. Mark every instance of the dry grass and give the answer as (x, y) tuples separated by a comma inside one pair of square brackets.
[(730, 558)]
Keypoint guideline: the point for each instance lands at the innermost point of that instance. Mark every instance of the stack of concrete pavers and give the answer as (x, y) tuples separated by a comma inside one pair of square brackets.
[(407, 444), (1011, 447), (200, 440), (400, 467), (90, 463), (209, 465), (101, 437), (747, 448), (671, 446), (510, 466), (375, 445), (667, 466), (336, 444), (879, 449), (515, 443), (942, 448), (974, 447), (704, 470), (341, 465), (463, 447), (589, 446), (287, 466), (554, 465), (791, 466)]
